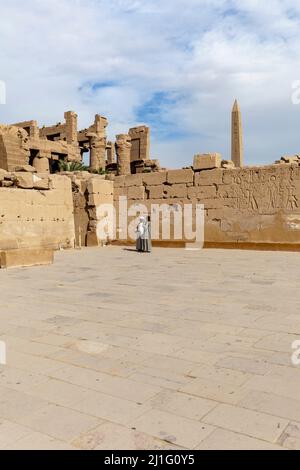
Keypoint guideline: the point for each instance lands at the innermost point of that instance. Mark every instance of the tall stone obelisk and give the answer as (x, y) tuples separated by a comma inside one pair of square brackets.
[(237, 147)]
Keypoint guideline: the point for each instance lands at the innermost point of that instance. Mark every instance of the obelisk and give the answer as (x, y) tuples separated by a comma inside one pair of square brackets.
[(237, 148)]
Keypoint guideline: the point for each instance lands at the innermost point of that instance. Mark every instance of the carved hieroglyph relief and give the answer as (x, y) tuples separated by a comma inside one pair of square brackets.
[(263, 190)]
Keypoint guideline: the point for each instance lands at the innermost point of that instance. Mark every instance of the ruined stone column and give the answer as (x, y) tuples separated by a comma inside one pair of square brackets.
[(140, 137), (97, 138), (110, 153), (96, 152), (237, 149), (71, 127), (123, 148)]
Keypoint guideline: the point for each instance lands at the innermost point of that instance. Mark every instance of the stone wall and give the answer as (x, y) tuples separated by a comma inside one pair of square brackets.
[(13, 147), (35, 217), (249, 206), (90, 192)]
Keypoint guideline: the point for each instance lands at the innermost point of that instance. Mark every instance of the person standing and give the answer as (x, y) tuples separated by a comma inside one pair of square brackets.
[(143, 240), (147, 236), (140, 230)]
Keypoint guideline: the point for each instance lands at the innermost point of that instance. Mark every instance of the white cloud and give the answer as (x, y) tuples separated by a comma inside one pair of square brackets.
[(204, 52)]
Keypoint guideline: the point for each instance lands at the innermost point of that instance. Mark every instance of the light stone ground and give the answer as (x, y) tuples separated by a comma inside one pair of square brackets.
[(111, 349)]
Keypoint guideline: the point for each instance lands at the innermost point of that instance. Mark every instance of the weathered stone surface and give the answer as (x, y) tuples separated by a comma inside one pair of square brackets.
[(98, 185), (156, 178), (92, 239), (180, 176), (208, 177), (118, 192), (252, 205), (41, 165), (41, 183), (24, 180), (156, 192), (176, 191), (227, 164), (14, 149), (119, 182), (140, 140), (136, 192), (25, 168), (7, 184), (133, 180), (3, 174), (37, 219), (207, 161), (123, 148), (202, 192), (97, 143), (25, 257)]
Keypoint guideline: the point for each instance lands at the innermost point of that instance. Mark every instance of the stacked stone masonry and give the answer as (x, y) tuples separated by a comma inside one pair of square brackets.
[(35, 215), (254, 205)]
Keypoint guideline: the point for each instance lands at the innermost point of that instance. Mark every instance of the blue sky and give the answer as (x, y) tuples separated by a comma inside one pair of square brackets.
[(176, 65)]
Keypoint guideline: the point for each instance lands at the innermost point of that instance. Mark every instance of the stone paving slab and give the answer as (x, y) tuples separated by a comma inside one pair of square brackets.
[(111, 349)]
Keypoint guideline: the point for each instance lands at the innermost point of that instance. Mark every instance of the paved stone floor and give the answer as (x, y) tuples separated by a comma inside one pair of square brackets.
[(110, 349)]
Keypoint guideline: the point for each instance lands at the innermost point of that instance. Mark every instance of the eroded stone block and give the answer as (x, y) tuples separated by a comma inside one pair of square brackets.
[(136, 192), (156, 192), (180, 176), (25, 168), (207, 161), (156, 178), (133, 180), (208, 177), (25, 257), (24, 180), (202, 192)]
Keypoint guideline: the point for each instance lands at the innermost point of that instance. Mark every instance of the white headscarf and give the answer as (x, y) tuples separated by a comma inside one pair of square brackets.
[(141, 226)]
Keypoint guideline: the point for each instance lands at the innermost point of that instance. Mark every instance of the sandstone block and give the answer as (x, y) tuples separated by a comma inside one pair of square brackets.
[(227, 164), (41, 164), (92, 239), (100, 186), (118, 192), (230, 176), (156, 192), (219, 203), (60, 182), (180, 176), (208, 177), (25, 257), (24, 180), (7, 184), (25, 168), (156, 178), (136, 192), (178, 191), (202, 192), (3, 174), (98, 199), (119, 181), (207, 161), (41, 183), (134, 180)]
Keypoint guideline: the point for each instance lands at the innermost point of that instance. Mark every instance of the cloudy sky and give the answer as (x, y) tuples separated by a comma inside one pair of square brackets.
[(176, 65)]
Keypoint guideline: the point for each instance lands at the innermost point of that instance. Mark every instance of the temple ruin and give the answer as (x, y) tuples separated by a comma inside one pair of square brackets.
[(46, 206)]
